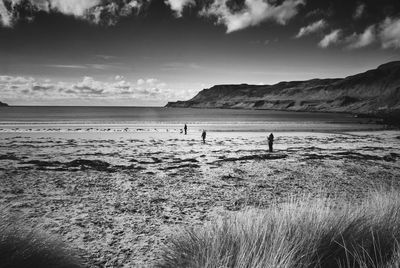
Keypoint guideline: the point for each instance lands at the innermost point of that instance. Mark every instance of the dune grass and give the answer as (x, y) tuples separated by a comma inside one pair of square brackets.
[(26, 248), (297, 234)]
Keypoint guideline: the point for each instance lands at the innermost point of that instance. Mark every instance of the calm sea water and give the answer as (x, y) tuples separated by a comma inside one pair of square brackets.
[(155, 117)]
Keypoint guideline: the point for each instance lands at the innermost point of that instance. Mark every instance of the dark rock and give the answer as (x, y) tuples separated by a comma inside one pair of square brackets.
[(182, 166), (158, 200), (41, 163), (89, 164), (8, 156), (253, 157), (2, 104)]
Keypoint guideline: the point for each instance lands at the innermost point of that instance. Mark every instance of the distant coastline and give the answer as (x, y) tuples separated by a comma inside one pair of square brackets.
[(370, 94), (2, 104)]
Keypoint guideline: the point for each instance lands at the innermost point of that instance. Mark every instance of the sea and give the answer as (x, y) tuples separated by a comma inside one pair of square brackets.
[(128, 119)]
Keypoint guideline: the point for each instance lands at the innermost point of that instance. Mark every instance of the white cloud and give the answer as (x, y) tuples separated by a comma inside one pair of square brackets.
[(176, 65), (312, 28), (179, 5), (151, 81), (362, 40), (96, 11), (387, 33), (85, 66), (330, 39), (118, 77), (76, 8), (5, 16), (89, 84), (390, 33), (108, 12), (4, 79), (253, 13), (359, 12), (67, 66), (26, 89)]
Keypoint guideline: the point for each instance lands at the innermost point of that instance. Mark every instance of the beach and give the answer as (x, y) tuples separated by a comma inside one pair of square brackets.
[(117, 193), (199, 134)]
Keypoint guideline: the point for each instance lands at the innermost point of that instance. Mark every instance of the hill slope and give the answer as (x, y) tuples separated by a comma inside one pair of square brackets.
[(373, 92), (3, 104)]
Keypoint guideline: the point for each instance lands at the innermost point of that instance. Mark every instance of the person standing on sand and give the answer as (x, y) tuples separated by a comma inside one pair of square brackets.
[(270, 142), (185, 129), (203, 136)]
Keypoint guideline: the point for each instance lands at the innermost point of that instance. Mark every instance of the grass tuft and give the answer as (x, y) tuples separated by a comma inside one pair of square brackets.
[(297, 234), (23, 248)]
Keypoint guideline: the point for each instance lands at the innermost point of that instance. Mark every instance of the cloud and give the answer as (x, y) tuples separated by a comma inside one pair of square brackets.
[(362, 40), (179, 5), (173, 66), (390, 33), (6, 79), (77, 8), (89, 86), (253, 13), (141, 81), (106, 12), (17, 88), (42, 87), (105, 57), (359, 12), (5, 16), (66, 66), (149, 88), (88, 66), (110, 13), (386, 32), (119, 77), (13, 87), (312, 28), (22, 90), (330, 39), (88, 90)]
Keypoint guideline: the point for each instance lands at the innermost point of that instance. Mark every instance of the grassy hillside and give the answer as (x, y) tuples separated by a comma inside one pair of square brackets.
[(373, 92)]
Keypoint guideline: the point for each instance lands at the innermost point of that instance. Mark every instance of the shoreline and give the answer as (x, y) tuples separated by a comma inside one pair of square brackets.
[(177, 131), (212, 127)]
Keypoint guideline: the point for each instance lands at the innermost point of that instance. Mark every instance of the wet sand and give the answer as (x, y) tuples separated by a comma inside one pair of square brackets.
[(118, 195)]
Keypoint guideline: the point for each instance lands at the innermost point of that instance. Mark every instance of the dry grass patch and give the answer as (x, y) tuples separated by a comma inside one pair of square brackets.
[(297, 234), (26, 248)]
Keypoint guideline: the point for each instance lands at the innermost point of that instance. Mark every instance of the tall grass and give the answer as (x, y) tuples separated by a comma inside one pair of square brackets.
[(26, 248), (297, 234)]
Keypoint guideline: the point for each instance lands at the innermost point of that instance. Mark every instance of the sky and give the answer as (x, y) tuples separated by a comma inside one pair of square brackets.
[(149, 52)]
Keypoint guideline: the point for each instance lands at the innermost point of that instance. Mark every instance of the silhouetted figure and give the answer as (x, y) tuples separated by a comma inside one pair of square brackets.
[(203, 136), (185, 129), (270, 142)]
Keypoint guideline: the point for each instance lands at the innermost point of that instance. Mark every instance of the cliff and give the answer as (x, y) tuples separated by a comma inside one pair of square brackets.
[(373, 92), (2, 104)]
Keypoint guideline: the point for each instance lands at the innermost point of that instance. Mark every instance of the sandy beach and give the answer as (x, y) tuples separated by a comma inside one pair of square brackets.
[(116, 196)]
